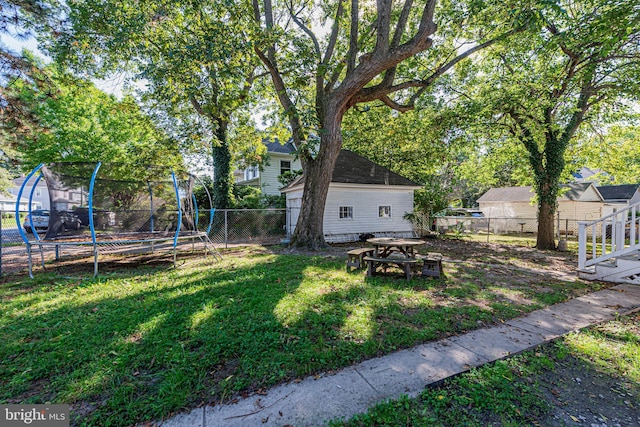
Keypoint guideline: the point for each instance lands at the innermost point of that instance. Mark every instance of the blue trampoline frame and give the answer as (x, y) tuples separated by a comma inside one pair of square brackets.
[(203, 236)]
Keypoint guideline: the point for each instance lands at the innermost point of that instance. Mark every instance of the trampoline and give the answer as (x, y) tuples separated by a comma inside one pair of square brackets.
[(108, 207)]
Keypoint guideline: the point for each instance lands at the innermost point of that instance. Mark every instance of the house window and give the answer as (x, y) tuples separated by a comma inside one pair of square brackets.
[(38, 192), (384, 211), (251, 173), (285, 166), (346, 212)]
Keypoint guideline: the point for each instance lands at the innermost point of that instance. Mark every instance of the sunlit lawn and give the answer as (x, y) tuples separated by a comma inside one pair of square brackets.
[(141, 345)]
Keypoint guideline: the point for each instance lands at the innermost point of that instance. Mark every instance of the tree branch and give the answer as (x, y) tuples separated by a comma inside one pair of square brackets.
[(386, 87), (383, 8), (307, 31), (394, 105), (334, 35), (353, 37)]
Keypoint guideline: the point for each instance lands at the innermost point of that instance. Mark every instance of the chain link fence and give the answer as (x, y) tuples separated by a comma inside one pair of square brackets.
[(13, 253), (245, 226), (229, 227), (226, 227), (566, 229)]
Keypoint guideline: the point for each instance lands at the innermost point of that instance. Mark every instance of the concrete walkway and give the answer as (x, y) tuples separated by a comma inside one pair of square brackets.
[(314, 401)]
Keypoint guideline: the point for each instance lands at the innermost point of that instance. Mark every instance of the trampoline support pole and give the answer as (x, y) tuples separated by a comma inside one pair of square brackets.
[(57, 252), (30, 260), (95, 260), (42, 256)]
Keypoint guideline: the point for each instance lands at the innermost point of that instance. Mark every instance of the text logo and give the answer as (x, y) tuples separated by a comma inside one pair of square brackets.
[(34, 415)]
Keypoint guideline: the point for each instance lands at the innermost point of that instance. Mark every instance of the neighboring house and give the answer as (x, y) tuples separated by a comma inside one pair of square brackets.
[(363, 197), (578, 202), (8, 203), (40, 199), (618, 196), (63, 200), (586, 174), (281, 159)]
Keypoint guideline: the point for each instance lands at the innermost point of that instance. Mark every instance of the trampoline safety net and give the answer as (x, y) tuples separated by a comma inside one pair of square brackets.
[(116, 200)]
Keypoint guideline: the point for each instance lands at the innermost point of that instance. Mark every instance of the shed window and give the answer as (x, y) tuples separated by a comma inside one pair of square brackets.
[(346, 212), (384, 211)]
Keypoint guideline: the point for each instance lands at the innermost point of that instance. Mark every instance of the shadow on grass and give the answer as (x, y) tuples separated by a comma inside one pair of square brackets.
[(139, 346)]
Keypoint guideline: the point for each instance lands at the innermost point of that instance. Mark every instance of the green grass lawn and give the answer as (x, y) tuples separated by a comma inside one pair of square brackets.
[(141, 345), (511, 392)]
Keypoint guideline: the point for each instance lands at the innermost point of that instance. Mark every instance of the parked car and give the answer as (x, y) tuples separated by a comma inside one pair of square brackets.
[(475, 213), (38, 218), (70, 221)]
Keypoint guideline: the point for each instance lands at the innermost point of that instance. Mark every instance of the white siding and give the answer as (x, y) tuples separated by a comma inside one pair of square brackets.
[(40, 195), (508, 210), (365, 201), (294, 201), (591, 195), (580, 211), (269, 176)]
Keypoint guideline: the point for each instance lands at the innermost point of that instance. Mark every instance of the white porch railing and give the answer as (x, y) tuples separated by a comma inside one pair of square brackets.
[(609, 237)]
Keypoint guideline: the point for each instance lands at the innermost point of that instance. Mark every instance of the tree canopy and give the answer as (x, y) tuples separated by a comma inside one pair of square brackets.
[(582, 59), (194, 58), (324, 58), (78, 122)]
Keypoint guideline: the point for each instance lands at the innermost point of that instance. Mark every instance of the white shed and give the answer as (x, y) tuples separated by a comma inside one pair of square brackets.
[(363, 197), (578, 201)]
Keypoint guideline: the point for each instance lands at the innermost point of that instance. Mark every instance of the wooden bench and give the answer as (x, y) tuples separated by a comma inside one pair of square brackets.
[(431, 264), (405, 264), (355, 257)]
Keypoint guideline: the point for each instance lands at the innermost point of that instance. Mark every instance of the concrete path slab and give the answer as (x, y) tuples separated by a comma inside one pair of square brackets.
[(194, 418), (315, 400), (499, 342), (297, 403), (631, 290), (409, 371), (617, 299), (566, 317)]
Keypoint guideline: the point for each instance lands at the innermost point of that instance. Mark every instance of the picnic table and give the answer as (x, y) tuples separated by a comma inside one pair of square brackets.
[(392, 251)]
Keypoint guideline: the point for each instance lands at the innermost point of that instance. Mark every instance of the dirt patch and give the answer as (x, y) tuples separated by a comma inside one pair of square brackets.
[(580, 395)]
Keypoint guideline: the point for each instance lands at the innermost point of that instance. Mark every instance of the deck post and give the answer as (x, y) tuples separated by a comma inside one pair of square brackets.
[(582, 244)]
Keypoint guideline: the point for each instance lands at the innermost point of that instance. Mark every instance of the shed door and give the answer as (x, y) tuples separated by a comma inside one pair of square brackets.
[(294, 212)]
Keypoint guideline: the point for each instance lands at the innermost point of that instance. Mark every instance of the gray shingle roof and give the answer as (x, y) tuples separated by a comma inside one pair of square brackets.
[(524, 194), (352, 168), (618, 192), (276, 147)]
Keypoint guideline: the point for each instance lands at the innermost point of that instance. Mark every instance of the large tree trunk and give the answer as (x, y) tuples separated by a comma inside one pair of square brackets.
[(221, 168), (309, 230), (546, 211), (547, 203)]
